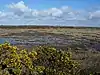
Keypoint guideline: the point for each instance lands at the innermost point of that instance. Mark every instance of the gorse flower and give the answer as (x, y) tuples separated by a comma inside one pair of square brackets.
[(40, 61)]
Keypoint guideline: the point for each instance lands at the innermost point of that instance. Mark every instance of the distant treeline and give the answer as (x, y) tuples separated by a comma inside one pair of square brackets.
[(45, 26)]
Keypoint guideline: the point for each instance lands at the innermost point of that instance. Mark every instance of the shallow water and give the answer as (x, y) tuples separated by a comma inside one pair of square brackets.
[(10, 40), (2, 40)]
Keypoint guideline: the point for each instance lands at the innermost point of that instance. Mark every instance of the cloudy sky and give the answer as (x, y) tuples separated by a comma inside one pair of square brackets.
[(50, 12)]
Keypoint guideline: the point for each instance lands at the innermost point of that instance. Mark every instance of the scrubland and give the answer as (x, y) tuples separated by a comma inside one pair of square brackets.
[(82, 43)]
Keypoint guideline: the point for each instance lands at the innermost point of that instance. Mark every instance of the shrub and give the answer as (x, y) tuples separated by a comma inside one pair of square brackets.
[(40, 61), (56, 62), (14, 61)]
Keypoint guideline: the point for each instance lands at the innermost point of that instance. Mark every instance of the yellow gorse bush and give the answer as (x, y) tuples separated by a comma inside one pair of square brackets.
[(40, 61), (12, 59)]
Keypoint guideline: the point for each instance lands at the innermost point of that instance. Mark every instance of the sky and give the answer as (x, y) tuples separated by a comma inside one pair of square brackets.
[(50, 12)]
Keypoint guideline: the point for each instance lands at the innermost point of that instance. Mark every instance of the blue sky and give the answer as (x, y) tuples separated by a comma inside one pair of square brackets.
[(51, 12), (45, 4)]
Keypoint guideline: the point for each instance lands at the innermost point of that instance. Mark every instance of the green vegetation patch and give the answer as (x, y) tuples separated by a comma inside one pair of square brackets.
[(40, 61)]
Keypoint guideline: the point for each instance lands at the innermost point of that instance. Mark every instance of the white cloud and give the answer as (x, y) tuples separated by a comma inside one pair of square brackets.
[(55, 12), (2, 14), (19, 13), (19, 8), (35, 13), (95, 14), (20, 5)]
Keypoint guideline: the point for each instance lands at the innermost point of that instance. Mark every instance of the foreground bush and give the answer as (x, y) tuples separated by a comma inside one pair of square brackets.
[(55, 62), (14, 61), (40, 61)]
